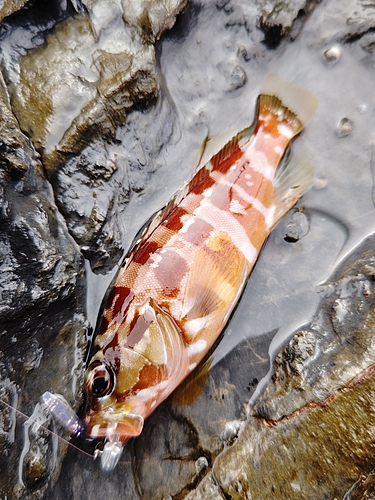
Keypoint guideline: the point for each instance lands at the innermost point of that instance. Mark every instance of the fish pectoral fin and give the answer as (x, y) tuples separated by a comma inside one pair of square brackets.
[(174, 344), (215, 280), (290, 183)]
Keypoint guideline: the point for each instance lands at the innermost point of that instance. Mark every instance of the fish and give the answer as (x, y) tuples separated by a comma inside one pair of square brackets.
[(185, 273)]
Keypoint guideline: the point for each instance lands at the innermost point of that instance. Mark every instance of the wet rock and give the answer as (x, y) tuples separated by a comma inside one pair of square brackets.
[(172, 450), (268, 461), (92, 190), (334, 348), (358, 17), (151, 18), (91, 88), (363, 489), (344, 127), (319, 404), (40, 306), (332, 55), (9, 6), (297, 228), (234, 75), (278, 18), (30, 455), (207, 489), (39, 259), (79, 85)]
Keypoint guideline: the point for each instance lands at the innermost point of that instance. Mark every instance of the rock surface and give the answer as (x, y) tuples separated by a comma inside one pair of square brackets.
[(117, 107), (9, 6), (310, 434), (41, 274)]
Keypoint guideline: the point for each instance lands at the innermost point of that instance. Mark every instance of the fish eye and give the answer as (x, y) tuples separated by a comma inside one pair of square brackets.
[(99, 380)]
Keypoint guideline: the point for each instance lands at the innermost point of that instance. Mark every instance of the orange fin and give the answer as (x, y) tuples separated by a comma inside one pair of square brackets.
[(215, 281), (191, 388)]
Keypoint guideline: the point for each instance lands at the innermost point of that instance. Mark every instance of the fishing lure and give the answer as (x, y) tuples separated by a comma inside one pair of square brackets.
[(183, 277)]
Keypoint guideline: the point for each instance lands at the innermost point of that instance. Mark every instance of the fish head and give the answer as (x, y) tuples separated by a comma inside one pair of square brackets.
[(134, 367), (106, 415)]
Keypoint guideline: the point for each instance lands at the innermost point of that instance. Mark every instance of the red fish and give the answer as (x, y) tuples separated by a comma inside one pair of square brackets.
[(178, 286)]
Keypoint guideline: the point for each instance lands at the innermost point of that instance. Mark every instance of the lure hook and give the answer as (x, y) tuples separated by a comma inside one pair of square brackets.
[(110, 454)]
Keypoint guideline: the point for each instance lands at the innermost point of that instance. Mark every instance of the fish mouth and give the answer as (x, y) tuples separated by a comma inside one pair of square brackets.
[(113, 423)]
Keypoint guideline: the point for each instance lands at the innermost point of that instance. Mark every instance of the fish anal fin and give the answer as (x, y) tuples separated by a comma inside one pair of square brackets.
[(191, 388), (215, 280), (290, 184)]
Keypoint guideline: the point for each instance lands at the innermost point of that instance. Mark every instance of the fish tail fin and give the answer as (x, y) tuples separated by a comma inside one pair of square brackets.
[(287, 102)]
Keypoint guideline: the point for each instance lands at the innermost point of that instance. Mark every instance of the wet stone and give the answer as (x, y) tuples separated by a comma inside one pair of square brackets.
[(268, 461), (332, 56), (39, 259), (306, 366), (92, 190), (9, 6), (297, 228), (344, 127), (230, 432), (37, 457), (201, 464), (234, 75), (152, 17), (208, 489), (79, 84), (319, 404), (279, 18)]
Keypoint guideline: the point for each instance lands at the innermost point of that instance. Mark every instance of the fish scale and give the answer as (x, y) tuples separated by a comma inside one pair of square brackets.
[(181, 281)]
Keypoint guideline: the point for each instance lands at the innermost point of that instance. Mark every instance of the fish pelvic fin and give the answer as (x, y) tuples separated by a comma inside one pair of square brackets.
[(289, 185), (287, 102)]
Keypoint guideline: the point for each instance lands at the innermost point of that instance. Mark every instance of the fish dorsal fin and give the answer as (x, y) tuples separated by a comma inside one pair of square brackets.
[(215, 280), (290, 183), (221, 146), (149, 227), (218, 147)]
